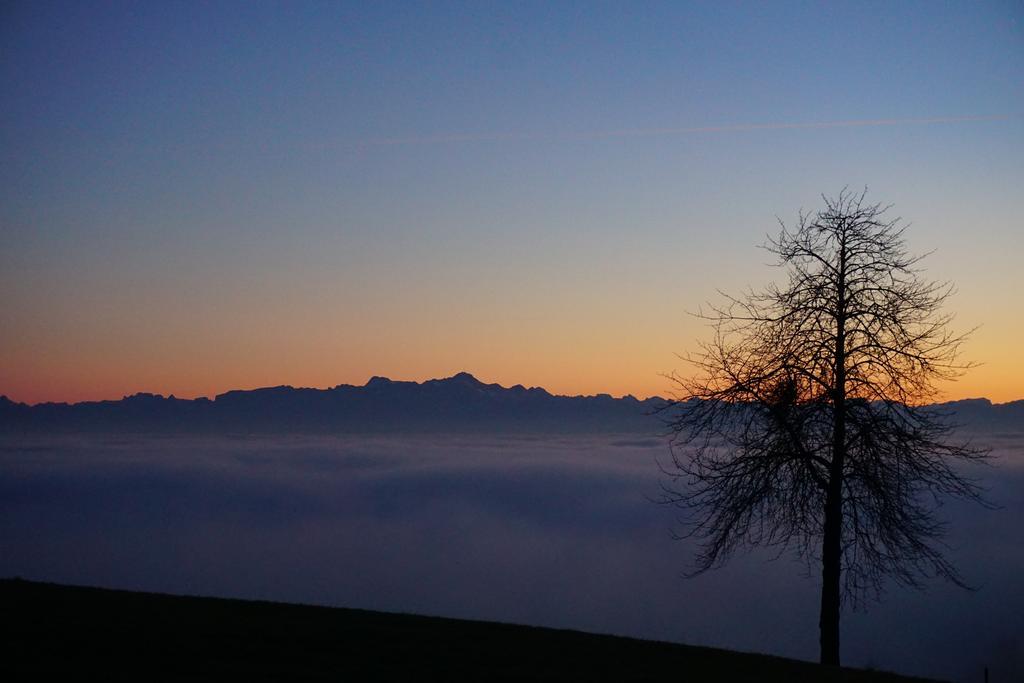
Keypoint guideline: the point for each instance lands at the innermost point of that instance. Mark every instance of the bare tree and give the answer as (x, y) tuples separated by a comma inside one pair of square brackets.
[(807, 423)]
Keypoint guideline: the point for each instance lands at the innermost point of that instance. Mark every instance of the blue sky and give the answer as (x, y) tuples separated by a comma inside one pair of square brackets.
[(198, 196)]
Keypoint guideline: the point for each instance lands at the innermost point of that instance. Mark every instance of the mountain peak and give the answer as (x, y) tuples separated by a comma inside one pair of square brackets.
[(465, 378)]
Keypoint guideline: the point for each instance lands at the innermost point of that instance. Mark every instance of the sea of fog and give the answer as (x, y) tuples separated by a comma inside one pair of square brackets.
[(550, 530)]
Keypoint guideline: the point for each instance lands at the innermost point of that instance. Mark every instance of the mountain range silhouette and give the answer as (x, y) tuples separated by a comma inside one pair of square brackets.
[(460, 403)]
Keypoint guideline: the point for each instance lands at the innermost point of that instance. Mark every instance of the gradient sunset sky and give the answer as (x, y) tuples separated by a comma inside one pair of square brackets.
[(196, 197)]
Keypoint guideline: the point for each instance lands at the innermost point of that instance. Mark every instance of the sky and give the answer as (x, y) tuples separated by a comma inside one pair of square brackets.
[(196, 197)]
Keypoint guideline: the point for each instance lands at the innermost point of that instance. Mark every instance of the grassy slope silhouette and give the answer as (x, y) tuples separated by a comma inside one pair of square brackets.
[(73, 631)]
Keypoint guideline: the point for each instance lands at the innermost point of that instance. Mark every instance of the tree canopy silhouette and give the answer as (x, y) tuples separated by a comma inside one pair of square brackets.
[(807, 423)]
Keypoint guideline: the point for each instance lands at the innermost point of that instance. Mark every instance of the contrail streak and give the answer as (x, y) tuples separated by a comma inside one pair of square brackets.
[(682, 130)]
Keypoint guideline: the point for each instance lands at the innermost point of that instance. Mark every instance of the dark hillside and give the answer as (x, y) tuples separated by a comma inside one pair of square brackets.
[(90, 633)]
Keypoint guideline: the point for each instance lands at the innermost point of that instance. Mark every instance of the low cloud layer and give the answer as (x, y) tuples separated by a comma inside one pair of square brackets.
[(556, 531)]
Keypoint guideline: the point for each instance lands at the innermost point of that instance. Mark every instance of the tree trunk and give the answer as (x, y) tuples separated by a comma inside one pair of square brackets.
[(832, 543), (830, 560)]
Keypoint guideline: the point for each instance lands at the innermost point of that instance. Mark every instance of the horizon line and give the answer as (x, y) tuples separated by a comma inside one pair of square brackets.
[(432, 379)]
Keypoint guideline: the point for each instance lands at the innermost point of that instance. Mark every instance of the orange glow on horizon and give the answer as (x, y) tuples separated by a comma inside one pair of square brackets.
[(570, 341)]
